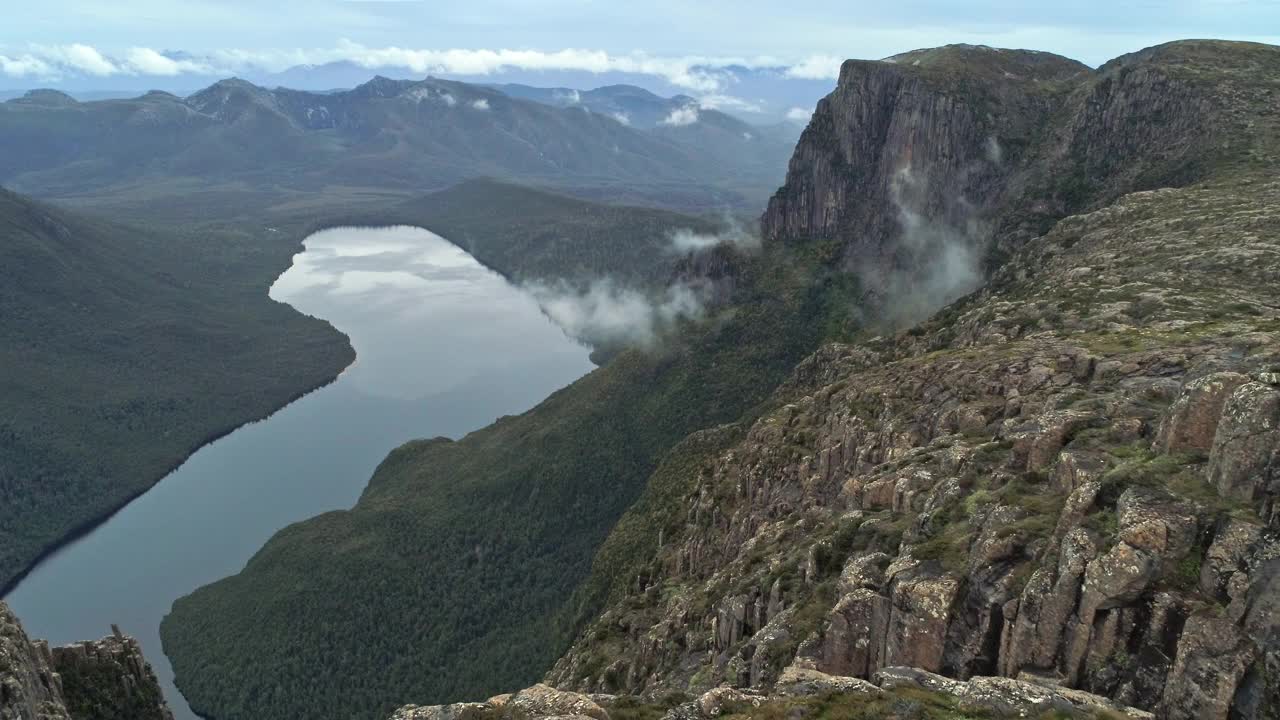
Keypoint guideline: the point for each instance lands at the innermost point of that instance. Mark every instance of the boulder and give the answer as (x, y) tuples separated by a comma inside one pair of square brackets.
[(1192, 421)]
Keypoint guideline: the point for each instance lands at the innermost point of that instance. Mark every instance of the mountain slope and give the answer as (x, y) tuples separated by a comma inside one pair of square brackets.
[(491, 534), (124, 350), (1066, 477), (408, 135), (463, 567)]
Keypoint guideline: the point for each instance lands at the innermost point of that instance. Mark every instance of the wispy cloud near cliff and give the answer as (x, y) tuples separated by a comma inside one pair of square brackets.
[(607, 313)]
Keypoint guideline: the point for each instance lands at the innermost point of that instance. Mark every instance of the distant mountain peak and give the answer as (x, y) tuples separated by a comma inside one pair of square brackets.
[(47, 96)]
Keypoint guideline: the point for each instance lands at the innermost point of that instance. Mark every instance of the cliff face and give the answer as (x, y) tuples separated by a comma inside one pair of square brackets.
[(106, 679), (1068, 478), (933, 166)]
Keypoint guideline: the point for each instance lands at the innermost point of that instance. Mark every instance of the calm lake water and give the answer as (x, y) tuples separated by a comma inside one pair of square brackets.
[(444, 347)]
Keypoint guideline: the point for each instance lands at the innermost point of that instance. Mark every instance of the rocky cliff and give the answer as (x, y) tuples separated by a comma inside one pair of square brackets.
[(106, 679), (1066, 479), (932, 166)]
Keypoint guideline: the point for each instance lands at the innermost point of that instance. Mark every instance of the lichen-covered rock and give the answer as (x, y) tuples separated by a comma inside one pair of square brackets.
[(1193, 420), (797, 680), (540, 701), (1213, 656), (1050, 479), (1005, 697), (106, 679), (1244, 459), (29, 687)]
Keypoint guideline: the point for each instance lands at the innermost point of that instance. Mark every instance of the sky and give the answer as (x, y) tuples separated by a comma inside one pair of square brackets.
[(130, 42)]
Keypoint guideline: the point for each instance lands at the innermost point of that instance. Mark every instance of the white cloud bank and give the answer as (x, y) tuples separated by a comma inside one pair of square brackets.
[(701, 74), (480, 104)]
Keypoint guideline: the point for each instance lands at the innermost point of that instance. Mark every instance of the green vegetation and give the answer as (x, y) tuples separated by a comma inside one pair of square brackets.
[(531, 235), (385, 135), (445, 581), (98, 690), (124, 350)]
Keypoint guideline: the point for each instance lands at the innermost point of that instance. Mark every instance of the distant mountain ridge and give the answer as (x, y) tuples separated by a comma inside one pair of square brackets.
[(410, 135)]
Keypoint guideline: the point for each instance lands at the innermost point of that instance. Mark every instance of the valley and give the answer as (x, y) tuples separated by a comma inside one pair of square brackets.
[(962, 403), (409, 301)]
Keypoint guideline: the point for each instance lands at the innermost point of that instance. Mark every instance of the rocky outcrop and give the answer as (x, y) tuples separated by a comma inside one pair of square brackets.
[(29, 688), (106, 679), (539, 701), (1060, 490)]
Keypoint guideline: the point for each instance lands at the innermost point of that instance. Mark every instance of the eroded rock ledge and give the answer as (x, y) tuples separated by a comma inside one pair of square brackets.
[(800, 688), (105, 679)]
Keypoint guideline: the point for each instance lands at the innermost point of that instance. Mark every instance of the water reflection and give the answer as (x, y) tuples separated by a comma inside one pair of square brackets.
[(444, 347)]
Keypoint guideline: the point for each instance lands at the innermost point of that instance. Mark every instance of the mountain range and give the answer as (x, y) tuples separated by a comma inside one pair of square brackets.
[(760, 95), (411, 136)]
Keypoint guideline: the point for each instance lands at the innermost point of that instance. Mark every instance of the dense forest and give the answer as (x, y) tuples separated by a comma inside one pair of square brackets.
[(429, 589), (126, 348)]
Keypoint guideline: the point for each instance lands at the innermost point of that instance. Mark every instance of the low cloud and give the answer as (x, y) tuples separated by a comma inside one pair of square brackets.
[(622, 117), (686, 115), (816, 67), (567, 97), (480, 104), (145, 61), (942, 255), (607, 314), (716, 101), (685, 240), (448, 99), (797, 114)]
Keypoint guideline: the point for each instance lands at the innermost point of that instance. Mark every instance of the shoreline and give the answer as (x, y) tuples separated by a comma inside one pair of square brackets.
[(85, 528)]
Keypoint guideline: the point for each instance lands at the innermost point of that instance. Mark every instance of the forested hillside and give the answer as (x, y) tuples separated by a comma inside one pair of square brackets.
[(446, 577), (124, 349)]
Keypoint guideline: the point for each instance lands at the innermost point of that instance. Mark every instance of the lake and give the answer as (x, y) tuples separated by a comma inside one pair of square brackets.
[(444, 346)]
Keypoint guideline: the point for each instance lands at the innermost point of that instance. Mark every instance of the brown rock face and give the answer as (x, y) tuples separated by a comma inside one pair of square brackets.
[(1067, 478), (1244, 459), (1193, 423), (906, 163), (106, 678), (29, 688)]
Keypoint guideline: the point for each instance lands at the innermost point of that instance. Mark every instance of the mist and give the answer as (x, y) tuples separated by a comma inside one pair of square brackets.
[(685, 240), (942, 251), (605, 313)]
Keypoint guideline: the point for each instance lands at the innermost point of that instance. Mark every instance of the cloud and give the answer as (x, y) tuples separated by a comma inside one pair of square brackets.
[(567, 97), (79, 57), (816, 67), (686, 115), (480, 104), (606, 313), (708, 76), (717, 101), (448, 99), (145, 61), (622, 117), (797, 114), (685, 240), (26, 65), (942, 251)]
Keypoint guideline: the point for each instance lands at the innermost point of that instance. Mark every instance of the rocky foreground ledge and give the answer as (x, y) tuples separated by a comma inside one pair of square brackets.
[(105, 679), (802, 691)]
